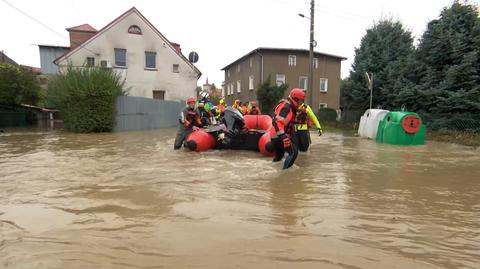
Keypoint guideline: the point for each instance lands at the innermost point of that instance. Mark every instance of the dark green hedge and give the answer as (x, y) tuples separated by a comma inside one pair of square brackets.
[(327, 115), (86, 98)]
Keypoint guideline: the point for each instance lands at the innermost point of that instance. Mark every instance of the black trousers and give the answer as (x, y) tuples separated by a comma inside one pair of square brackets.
[(301, 138)]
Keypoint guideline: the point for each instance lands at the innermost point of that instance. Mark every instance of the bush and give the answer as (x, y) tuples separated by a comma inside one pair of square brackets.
[(327, 115), (86, 98), (18, 86), (269, 95)]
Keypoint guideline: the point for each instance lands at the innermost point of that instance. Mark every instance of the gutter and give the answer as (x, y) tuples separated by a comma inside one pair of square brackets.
[(261, 68)]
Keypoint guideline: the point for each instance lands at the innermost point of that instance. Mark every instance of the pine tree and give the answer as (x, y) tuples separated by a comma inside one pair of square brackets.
[(450, 52), (384, 51)]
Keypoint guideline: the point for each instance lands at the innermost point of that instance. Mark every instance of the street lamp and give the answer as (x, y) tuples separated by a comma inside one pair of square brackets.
[(312, 43)]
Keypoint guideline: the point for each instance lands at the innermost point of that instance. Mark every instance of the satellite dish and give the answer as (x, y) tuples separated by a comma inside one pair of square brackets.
[(193, 57)]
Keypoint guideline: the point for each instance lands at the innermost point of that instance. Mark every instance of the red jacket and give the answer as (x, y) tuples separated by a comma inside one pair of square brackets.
[(284, 119)]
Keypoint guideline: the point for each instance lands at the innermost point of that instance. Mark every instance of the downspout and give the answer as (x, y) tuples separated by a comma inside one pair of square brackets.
[(261, 66)]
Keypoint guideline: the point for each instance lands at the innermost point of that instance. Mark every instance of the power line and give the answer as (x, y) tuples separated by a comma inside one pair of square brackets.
[(46, 26)]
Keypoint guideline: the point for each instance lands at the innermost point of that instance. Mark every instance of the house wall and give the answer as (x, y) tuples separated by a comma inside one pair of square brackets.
[(142, 82), (276, 62), (47, 55), (246, 71)]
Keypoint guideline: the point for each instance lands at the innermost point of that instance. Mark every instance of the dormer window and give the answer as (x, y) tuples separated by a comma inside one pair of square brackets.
[(134, 30)]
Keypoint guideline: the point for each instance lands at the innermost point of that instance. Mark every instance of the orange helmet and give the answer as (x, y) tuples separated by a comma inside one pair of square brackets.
[(297, 96), (190, 99)]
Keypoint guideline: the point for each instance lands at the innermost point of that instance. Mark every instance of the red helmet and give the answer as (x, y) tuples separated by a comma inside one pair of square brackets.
[(190, 99), (297, 96)]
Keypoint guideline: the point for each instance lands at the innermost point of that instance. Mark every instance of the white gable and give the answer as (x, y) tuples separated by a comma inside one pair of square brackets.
[(141, 80)]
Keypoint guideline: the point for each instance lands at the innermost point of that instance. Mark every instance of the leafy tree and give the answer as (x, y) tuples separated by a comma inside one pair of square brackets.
[(268, 95), (18, 86), (198, 90), (384, 51)]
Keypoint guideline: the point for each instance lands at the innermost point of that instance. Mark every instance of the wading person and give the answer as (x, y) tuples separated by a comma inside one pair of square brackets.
[(305, 118), (189, 120), (282, 131)]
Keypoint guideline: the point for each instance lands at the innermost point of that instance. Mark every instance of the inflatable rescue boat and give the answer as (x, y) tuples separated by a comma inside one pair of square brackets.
[(236, 131)]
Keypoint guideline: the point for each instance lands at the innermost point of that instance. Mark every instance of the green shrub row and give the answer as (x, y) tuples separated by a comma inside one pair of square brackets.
[(327, 115)]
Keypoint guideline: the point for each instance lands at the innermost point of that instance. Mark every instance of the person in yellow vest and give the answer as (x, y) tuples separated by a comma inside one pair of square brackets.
[(244, 108), (237, 105), (305, 118), (221, 106)]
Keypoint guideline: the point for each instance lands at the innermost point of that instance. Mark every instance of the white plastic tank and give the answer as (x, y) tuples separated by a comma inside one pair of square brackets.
[(369, 122)]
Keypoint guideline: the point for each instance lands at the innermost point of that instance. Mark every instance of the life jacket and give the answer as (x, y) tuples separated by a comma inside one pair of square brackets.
[(192, 116), (301, 120), (284, 117), (244, 110), (221, 108)]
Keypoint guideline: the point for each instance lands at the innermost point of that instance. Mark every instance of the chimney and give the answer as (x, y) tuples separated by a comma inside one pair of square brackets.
[(177, 47), (80, 34)]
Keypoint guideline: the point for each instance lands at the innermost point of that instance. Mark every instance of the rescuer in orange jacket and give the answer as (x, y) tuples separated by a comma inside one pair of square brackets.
[(283, 130), (253, 109), (189, 120)]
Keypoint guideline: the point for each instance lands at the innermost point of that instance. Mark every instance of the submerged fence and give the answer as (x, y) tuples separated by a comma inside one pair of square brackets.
[(462, 122), (468, 122), (138, 113)]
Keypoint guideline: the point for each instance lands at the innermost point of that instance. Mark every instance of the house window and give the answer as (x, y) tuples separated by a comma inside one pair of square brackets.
[(159, 95), (238, 68), (323, 84), (90, 61), (292, 60), (150, 59), (250, 82), (315, 63), (134, 30), (322, 105), (231, 88), (228, 73), (280, 79), (223, 92), (302, 83), (251, 62), (239, 86), (175, 68), (120, 57)]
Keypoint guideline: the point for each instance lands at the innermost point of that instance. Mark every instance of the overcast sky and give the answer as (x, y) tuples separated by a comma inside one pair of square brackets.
[(220, 31)]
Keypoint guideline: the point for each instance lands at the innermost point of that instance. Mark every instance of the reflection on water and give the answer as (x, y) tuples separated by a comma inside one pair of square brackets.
[(128, 200)]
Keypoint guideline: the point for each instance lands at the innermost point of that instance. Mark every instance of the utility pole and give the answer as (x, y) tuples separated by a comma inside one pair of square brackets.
[(370, 86), (310, 57)]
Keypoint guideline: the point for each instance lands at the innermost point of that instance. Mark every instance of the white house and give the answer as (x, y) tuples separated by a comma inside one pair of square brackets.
[(152, 66)]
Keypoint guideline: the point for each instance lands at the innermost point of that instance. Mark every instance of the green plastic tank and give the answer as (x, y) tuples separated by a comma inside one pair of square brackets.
[(401, 128)]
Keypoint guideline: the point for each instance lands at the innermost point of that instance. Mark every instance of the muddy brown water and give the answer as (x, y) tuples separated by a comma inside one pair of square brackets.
[(127, 200)]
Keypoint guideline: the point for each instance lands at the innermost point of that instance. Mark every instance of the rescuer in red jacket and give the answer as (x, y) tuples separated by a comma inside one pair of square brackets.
[(283, 127)]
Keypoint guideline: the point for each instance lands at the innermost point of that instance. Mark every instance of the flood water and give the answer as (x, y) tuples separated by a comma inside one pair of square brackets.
[(127, 200)]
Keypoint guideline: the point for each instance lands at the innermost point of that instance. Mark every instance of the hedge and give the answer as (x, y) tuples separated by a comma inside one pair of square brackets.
[(86, 98)]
